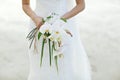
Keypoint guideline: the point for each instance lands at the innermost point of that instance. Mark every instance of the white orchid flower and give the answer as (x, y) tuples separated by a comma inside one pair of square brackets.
[(57, 33), (45, 28), (55, 36), (59, 52), (59, 22)]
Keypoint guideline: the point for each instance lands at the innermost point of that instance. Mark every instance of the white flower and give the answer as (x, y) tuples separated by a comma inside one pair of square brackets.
[(59, 22), (55, 36), (45, 28), (59, 52), (57, 33)]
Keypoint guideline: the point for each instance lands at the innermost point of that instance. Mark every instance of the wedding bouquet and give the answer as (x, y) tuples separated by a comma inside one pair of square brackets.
[(51, 32)]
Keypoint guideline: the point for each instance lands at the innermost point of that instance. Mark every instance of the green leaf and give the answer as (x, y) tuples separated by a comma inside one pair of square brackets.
[(49, 17), (39, 35), (43, 20), (65, 20)]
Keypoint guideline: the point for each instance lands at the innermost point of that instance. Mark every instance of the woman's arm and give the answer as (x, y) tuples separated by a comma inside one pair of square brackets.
[(27, 9), (80, 5)]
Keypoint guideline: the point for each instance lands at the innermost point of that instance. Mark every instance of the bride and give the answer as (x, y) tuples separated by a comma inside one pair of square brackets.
[(74, 63)]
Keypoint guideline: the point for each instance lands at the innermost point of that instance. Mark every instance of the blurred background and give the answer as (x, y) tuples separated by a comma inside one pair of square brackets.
[(99, 31)]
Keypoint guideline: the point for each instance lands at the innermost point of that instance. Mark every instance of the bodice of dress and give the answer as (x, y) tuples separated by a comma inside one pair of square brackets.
[(45, 7)]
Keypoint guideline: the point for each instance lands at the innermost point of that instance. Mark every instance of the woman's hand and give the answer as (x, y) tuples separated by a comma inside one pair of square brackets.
[(27, 9), (38, 21), (80, 6)]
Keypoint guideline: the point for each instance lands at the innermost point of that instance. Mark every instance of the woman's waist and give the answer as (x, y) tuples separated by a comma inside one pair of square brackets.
[(47, 10)]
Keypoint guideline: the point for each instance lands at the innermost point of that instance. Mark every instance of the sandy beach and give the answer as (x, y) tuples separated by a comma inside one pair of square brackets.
[(99, 30)]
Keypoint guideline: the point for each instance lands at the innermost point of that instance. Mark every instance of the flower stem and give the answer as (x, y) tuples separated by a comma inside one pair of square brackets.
[(43, 42), (31, 42), (56, 62), (31, 32), (50, 53)]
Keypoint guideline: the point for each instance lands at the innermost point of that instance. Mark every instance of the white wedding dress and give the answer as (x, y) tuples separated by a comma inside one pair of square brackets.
[(75, 64)]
